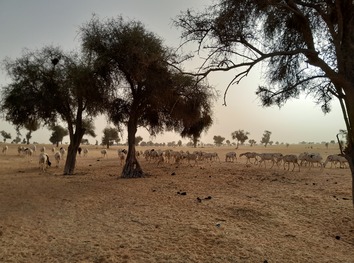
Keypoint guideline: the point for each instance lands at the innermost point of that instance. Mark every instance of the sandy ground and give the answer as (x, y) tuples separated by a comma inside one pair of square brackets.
[(218, 212)]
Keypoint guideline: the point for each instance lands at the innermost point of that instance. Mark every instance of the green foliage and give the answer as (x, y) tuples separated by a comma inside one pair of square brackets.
[(150, 92), (252, 142), (138, 139), (240, 135), (58, 133), (68, 90), (5, 135), (266, 138), (218, 140), (110, 135)]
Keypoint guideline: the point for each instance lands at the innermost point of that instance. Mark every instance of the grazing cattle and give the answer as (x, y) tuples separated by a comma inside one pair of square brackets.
[(334, 159), (42, 149), (4, 149), (230, 157), (290, 158), (44, 162), (57, 157)]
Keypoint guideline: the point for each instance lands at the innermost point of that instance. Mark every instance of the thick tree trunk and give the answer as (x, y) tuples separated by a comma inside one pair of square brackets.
[(132, 168), (71, 154), (349, 154), (352, 171)]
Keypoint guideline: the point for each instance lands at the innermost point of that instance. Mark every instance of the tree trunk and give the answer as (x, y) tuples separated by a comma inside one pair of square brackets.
[(132, 168), (71, 154), (350, 161)]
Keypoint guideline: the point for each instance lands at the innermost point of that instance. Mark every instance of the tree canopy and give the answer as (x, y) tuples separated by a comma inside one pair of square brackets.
[(5, 135), (240, 135), (306, 46), (218, 140), (150, 92), (58, 133), (110, 135), (50, 85)]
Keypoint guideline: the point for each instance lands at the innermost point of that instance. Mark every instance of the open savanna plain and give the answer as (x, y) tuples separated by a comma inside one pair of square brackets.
[(210, 212)]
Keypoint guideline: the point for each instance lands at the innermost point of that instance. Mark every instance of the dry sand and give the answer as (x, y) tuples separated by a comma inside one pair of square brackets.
[(219, 212)]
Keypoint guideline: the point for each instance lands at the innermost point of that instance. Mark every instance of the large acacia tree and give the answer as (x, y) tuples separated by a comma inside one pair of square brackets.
[(149, 91), (307, 45), (50, 85)]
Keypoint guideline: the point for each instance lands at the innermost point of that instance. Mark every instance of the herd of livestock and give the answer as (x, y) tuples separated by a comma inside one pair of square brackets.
[(159, 157)]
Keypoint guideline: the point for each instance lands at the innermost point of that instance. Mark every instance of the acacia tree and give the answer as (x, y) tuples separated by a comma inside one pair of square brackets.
[(241, 136), (109, 135), (149, 91), (138, 139), (50, 85), (266, 138), (5, 135), (31, 125), (307, 45), (58, 133), (218, 140), (252, 142)]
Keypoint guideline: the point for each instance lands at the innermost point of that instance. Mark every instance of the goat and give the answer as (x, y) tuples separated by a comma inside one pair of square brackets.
[(104, 153), (44, 162), (20, 150), (4, 149), (62, 151), (57, 157), (122, 154), (86, 151), (28, 151)]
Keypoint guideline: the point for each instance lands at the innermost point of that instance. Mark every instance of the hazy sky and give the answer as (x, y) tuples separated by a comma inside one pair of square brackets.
[(36, 23)]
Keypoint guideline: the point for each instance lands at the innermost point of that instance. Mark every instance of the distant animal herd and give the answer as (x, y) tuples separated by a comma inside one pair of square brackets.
[(305, 159)]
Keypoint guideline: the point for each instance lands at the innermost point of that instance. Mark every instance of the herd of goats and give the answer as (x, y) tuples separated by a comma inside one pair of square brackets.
[(178, 157)]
